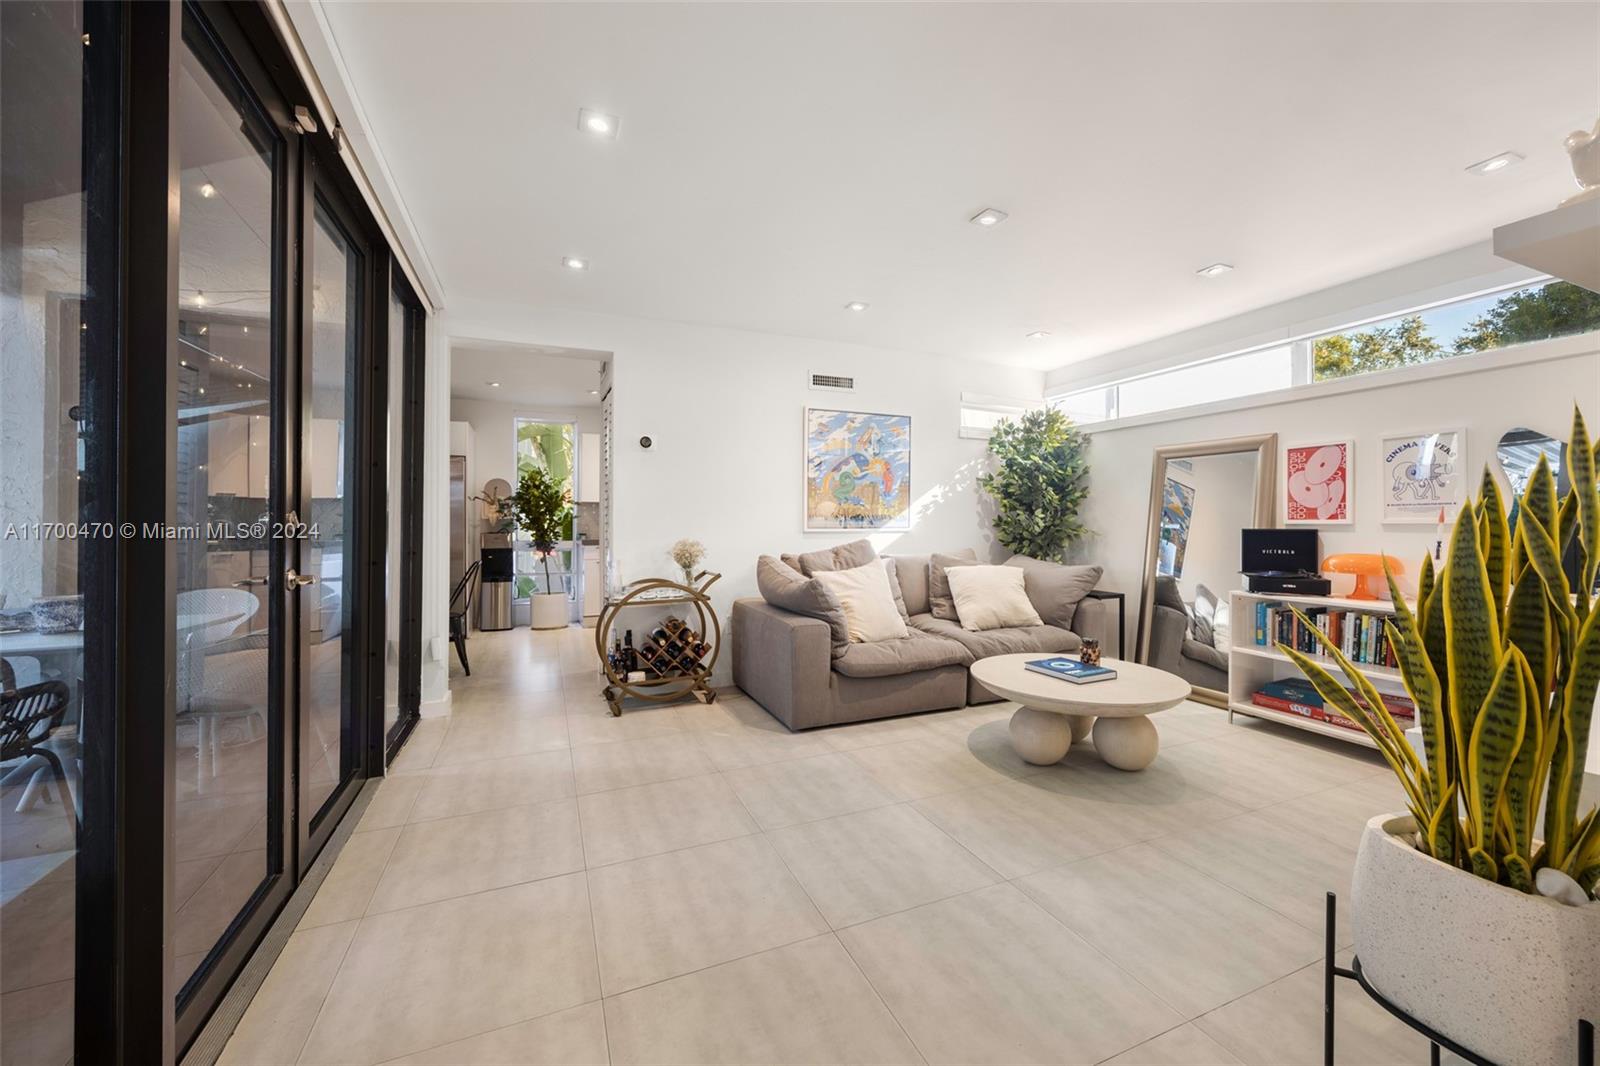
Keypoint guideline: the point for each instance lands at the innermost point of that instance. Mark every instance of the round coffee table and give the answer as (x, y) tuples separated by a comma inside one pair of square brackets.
[(1054, 712)]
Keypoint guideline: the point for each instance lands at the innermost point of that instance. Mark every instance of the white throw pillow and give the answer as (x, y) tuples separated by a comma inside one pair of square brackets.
[(869, 610), (991, 597)]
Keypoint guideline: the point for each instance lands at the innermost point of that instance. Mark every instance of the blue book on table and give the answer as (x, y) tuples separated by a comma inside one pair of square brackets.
[(1071, 670)]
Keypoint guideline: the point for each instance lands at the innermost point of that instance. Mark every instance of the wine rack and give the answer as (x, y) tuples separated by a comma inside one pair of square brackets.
[(673, 649), (677, 656)]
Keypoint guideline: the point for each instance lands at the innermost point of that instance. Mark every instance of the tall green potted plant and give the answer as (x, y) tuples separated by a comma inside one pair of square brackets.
[(541, 508), (1471, 910), (1038, 484)]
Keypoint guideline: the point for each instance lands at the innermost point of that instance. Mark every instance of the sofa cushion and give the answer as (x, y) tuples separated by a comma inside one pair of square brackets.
[(869, 610), (1055, 589), (991, 597), (1049, 640), (888, 658), (912, 573), (838, 557), (940, 604), (1204, 653), (892, 568), (783, 586)]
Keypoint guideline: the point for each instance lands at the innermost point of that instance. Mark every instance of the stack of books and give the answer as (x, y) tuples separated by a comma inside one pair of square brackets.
[(1358, 634), (1079, 673), (1297, 696)]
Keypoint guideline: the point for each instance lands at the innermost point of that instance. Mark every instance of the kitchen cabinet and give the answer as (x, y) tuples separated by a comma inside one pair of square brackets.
[(593, 589), (589, 468)]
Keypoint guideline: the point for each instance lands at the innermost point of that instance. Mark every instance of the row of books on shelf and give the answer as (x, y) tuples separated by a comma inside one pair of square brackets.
[(1358, 634), (1297, 696)]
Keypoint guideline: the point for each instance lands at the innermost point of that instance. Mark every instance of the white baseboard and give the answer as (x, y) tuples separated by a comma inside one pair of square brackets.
[(439, 708)]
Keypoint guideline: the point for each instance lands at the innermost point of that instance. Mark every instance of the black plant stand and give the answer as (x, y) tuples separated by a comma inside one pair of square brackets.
[(1436, 1040)]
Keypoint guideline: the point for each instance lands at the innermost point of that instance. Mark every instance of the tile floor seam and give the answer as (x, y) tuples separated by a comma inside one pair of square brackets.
[(486, 1032), (594, 933), (999, 877), (322, 1004), (881, 1000)]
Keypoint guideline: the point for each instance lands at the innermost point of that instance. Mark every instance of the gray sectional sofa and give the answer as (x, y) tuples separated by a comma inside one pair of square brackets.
[(797, 663)]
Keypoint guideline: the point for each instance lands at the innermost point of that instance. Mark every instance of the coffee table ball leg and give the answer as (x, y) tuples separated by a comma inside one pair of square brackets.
[(1126, 743), (1040, 737), (1081, 724)]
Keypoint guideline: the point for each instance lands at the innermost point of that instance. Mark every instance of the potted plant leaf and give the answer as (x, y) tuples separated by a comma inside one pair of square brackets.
[(542, 508), (1473, 911), (1039, 482)]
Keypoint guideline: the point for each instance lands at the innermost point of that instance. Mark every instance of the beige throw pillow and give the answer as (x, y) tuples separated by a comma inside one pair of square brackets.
[(869, 610), (990, 597)]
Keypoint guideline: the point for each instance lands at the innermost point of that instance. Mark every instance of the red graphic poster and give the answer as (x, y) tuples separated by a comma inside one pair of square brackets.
[(1318, 483)]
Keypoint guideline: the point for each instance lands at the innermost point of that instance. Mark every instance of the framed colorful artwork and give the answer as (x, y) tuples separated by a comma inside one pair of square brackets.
[(858, 470), (1424, 473), (1317, 483)]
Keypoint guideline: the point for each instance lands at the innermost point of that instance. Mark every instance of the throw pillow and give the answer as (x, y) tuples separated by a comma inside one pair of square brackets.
[(1204, 615), (1055, 590), (991, 597), (869, 608), (839, 557), (939, 602), (783, 586)]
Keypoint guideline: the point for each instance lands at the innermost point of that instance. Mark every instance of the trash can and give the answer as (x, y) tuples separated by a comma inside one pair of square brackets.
[(494, 604)]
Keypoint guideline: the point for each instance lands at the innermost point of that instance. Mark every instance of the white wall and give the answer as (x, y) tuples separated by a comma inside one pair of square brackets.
[(1535, 388), (724, 408)]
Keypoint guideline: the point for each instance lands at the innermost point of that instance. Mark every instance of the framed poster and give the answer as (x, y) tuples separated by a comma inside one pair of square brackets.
[(1177, 508), (1317, 483), (1422, 473), (858, 470)]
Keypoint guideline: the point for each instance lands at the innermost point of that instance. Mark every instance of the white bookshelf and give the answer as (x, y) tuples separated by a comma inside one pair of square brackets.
[(1251, 665)]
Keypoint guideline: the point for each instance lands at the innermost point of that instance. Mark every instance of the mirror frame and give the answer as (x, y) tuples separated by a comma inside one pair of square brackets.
[(1265, 445)]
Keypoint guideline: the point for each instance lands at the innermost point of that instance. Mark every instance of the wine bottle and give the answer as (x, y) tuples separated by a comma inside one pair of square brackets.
[(630, 656)]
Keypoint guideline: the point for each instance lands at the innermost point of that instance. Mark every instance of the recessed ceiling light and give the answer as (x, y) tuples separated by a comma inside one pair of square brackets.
[(598, 123), (247, 329), (208, 190), (573, 262), (989, 216), (594, 392), (1214, 270), (855, 305), (1495, 163), (200, 298), (1039, 335), (492, 384)]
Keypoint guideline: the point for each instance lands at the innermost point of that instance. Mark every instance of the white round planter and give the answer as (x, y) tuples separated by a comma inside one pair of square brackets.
[(548, 610), (1505, 974)]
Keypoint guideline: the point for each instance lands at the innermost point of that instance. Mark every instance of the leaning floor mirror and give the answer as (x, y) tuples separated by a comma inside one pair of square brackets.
[(1202, 495)]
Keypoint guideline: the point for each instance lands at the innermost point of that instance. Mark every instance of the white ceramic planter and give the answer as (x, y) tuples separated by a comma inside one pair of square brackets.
[(548, 610), (1504, 974)]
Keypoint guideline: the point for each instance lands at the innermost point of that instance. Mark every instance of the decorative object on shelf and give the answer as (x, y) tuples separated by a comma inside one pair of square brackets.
[(1038, 484), (496, 500), (542, 508), (1367, 568), (1502, 662), (1583, 149), (1089, 654), (687, 554), (675, 660), (1423, 472), (1317, 483), (858, 470)]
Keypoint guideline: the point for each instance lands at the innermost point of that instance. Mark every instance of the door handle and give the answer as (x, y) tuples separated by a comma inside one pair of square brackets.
[(293, 580), (249, 582)]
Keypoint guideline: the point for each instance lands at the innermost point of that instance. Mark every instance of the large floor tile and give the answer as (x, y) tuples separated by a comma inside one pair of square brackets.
[(1153, 802), (989, 977), (738, 732), (863, 865), (1339, 815), (391, 804), (806, 790), (572, 1037), (491, 849), (804, 1003), (670, 914), (498, 735), (465, 788), (425, 976), (421, 746), (1187, 1045), (346, 891), (1190, 939), (38, 1024), (928, 765), (591, 722), (1276, 864), (281, 1014), (601, 767), (854, 735), (1281, 1025), (1019, 827), (630, 823)]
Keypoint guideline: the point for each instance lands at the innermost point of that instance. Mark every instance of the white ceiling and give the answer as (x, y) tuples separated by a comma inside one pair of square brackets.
[(531, 377), (778, 160)]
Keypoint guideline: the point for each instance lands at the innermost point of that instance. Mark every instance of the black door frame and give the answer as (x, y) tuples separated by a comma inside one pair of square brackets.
[(412, 373), (127, 1007)]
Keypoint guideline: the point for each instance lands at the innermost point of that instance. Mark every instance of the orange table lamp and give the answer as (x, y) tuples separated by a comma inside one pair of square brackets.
[(1370, 583)]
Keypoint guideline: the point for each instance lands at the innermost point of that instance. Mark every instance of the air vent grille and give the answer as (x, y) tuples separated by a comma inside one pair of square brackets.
[(833, 383)]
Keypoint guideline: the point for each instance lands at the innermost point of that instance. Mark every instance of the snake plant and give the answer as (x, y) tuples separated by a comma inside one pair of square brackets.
[(1501, 656)]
